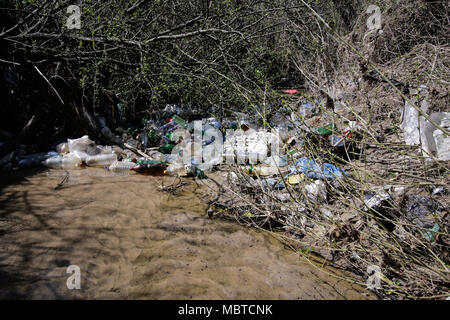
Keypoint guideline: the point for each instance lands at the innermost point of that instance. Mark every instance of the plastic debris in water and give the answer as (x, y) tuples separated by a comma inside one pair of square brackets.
[(314, 171)]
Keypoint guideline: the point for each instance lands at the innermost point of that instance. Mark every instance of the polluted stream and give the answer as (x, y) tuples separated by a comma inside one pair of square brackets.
[(131, 241)]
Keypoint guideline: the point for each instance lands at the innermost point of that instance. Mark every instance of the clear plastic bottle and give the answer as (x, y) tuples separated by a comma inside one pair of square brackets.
[(263, 171), (68, 162), (122, 166), (177, 169), (101, 160)]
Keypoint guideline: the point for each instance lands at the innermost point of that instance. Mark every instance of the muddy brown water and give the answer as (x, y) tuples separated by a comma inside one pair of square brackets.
[(132, 242)]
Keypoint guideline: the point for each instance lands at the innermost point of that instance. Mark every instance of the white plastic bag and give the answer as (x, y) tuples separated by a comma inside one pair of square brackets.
[(317, 191), (62, 148), (83, 144)]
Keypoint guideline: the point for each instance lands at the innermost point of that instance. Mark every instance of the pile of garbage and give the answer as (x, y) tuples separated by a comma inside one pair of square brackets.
[(299, 170), (179, 147)]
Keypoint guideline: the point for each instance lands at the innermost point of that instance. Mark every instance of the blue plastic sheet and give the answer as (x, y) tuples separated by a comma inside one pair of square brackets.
[(273, 184), (314, 171)]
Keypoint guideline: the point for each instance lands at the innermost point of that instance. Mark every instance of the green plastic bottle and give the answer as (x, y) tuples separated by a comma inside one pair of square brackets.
[(200, 173), (143, 162), (325, 131), (166, 149), (180, 121)]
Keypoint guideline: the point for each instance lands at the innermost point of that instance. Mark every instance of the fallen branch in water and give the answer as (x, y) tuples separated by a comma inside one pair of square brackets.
[(174, 187), (137, 151), (63, 181)]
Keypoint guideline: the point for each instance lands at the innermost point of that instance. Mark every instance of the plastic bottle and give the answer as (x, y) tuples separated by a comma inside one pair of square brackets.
[(101, 160), (144, 139), (156, 169), (166, 148), (263, 171), (177, 169), (121, 166), (168, 137), (149, 161), (180, 121), (171, 125), (67, 162), (325, 131)]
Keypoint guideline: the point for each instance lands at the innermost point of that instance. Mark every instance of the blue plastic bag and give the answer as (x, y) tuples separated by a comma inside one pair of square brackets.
[(314, 171)]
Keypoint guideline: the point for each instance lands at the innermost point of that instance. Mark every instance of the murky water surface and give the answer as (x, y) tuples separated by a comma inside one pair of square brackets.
[(132, 242)]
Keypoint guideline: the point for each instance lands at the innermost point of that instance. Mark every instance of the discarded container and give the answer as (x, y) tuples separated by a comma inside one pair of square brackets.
[(80, 154), (70, 161), (121, 166), (166, 149), (156, 169), (283, 197), (101, 160), (325, 131), (149, 161), (36, 159), (153, 137), (104, 150), (169, 126), (144, 140), (180, 121), (169, 158), (168, 137), (263, 171), (177, 169)]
